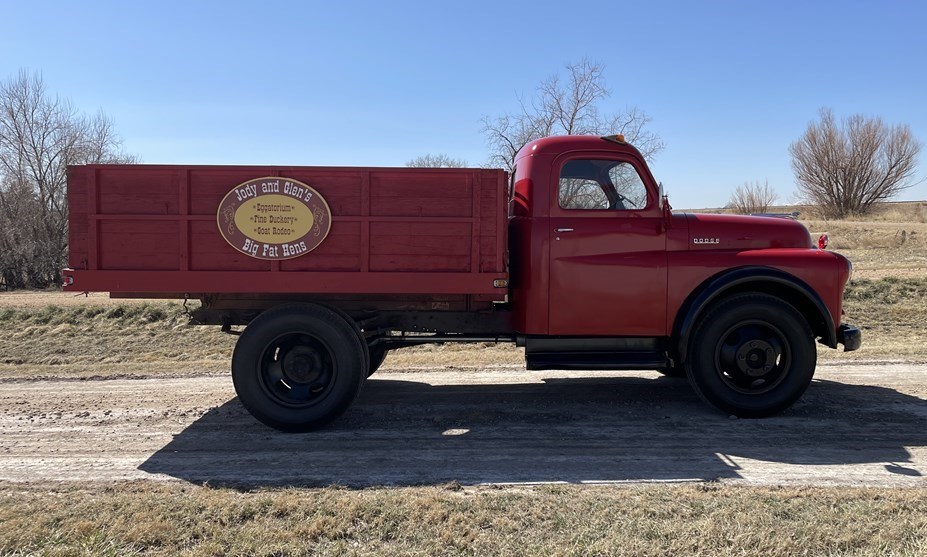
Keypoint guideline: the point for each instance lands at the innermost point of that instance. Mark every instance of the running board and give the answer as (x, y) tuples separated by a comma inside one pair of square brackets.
[(596, 361), (595, 353)]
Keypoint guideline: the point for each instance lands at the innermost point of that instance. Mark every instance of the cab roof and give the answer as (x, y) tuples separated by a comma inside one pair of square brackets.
[(564, 143)]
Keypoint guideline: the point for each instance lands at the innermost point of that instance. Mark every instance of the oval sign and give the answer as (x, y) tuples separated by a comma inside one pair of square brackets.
[(274, 218)]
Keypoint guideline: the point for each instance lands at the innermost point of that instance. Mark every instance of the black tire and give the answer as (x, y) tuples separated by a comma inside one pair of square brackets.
[(752, 355), (299, 366), (377, 355), (357, 330)]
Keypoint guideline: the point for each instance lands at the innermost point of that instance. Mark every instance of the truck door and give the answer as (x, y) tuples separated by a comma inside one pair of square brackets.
[(608, 248)]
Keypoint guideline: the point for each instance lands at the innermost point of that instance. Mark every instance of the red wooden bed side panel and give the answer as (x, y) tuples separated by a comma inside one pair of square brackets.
[(438, 222)]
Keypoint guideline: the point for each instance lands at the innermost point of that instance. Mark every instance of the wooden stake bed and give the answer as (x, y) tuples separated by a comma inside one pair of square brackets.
[(154, 229)]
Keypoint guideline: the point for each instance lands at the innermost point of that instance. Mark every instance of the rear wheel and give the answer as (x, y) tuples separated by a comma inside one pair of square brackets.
[(752, 355), (299, 366)]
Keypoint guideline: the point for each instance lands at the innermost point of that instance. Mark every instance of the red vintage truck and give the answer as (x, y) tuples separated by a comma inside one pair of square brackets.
[(576, 256)]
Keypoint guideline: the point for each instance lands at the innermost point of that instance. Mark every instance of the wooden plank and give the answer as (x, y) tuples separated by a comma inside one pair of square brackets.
[(413, 219), (93, 236), (184, 224), (501, 232), (383, 244), (77, 220), (143, 218), (420, 263), (475, 227), (365, 225), (417, 207), (246, 282), (488, 257), (419, 183), (415, 227), (322, 262), (77, 248)]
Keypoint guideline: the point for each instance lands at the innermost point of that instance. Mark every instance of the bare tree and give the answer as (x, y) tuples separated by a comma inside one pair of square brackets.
[(844, 168), (40, 135), (437, 161), (752, 197), (570, 106)]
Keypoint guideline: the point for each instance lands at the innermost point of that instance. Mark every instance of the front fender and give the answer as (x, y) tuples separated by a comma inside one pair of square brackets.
[(767, 280)]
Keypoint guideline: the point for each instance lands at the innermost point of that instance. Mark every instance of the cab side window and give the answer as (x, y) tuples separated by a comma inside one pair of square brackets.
[(601, 185)]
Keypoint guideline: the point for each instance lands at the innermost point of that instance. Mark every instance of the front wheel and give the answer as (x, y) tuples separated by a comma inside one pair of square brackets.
[(752, 355), (298, 366)]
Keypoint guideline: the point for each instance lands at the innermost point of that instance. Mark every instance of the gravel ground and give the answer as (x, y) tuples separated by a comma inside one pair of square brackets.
[(857, 425)]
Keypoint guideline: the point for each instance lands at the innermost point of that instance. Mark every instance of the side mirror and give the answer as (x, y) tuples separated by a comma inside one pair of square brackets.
[(665, 208)]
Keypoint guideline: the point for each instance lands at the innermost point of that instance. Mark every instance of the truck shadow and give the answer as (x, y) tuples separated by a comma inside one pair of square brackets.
[(603, 429)]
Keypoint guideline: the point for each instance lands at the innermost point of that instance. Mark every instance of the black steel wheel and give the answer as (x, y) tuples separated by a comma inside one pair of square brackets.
[(299, 366), (752, 355)]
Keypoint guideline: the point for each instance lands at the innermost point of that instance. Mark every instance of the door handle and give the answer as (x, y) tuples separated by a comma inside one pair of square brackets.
[(563, 229)]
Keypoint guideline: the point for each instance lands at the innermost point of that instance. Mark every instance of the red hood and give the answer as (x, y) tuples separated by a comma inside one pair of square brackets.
[(742, 232)]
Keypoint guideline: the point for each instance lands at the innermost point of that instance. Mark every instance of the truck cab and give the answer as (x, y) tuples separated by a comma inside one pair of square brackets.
[(606, 276), (589, 218)]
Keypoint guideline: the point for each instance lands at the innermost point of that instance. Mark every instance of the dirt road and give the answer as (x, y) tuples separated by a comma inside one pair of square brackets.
[(857, 425)]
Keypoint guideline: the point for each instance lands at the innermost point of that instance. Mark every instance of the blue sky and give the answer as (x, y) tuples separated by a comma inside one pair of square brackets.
[(729, 84)]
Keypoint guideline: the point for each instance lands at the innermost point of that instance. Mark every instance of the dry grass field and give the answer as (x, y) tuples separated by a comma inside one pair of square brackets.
[(701, 521), (59, 336)]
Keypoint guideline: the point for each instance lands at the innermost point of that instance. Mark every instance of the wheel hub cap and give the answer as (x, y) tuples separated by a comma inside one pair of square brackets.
[(302, 364), (756, 358)]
